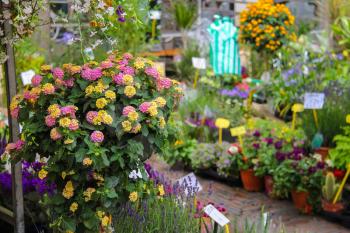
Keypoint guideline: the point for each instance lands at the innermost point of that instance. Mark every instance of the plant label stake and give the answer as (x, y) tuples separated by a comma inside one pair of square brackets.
[(239, 132), (221, 123), (315, 101), (27, 77), (341, 187), (154, 15), (190, 184), (218, 217), (199, 64), (296, 108)]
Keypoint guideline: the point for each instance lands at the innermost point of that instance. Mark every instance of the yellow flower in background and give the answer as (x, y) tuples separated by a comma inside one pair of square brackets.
[(161, 190), (63, 175), (348, 118), (101, 103), (54, 110), (100, 214), (136, 128), (87, 161), (133, 116), (99, 88), (42, 174), (133, 197), (45, 68), (88, 194), (161, 102), (68, 141), (126, 126), (73, 207), (129, 91), (162, 122), (139, 63), (153, 111), (105, 221), (107, 119), (110, 95)]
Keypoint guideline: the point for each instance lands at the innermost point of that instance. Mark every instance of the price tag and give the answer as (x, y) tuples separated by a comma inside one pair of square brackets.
[(314, 100), (215, 214), (199, 63), (190, 184), (222, 123), (238, 131), (155, 15), (27, 77)]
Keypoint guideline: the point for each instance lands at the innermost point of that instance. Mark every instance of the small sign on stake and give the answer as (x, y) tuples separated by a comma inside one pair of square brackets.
[(199, 63), (238, 131), (215, 214), (27, 77), (314, 100), (190, 184)]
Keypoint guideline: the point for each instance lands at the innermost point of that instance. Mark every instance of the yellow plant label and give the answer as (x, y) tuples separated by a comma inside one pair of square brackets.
[(238, 131), (298, 108), (222, 123), (348, 118)]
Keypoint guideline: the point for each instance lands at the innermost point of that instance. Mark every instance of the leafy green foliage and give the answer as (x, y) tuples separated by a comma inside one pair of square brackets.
[(340, 155)]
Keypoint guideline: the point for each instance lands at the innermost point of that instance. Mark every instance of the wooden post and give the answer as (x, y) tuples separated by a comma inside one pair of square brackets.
[(16, 169)]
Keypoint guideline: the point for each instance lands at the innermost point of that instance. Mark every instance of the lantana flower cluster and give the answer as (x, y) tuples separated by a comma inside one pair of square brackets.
[(266, 26), (96, 123)]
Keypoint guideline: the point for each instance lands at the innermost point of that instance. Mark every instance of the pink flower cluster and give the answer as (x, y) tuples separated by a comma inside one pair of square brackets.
[(153, 72), (163, 83), (30, 96), (127, 110), (58, 75), (69, 110), (128, 56), (15, 112), (106, 64), (36, 80), (50, 121), (118, 79), (145, 106), (127, 70), (15, 146), (97, 136), (91, 74), (90, 116)]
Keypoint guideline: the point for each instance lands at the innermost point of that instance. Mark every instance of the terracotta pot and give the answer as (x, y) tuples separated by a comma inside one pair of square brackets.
[(269, 185), (300, 201), (250, 181), (323, 151), (333, 208)]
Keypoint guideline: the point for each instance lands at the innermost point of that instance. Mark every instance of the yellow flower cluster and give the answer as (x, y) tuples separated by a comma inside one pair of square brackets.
[(42, 174), (133, 196), (98, 88), (87, 162), (110, 95), (101, 103), (133, 116), (104, 218), (126, 126), (266, 25), (153, 111), (68, 190), (103, 117), (54, 110), (73, 207), (88, 194), (161, 102), (129, 91), (139, 63), (162, 122)]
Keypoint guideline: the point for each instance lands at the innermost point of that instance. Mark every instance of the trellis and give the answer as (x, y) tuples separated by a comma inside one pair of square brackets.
[(15, 217)]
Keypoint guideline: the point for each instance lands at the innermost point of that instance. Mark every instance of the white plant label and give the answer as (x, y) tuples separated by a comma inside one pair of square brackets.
[(190, 184), (27, 77), (155, 15), (215, 214), (314, 100), (199, 63)]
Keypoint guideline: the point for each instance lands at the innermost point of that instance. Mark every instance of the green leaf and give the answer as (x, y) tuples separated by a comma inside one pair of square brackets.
[(105, 160), (80, 154), (69, 224), (111, 182)]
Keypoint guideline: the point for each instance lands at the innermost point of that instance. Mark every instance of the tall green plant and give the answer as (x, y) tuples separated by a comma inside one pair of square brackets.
[(185, 14)]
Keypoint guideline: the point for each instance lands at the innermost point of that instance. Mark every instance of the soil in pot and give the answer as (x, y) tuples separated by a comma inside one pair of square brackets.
[(333, 208), (251, 182), (300, 200)]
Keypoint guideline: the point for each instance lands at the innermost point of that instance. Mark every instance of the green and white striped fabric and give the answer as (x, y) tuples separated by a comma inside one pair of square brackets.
[(224, 50)]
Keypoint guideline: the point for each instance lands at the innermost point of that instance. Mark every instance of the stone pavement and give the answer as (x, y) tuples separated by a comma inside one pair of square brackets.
[(246, 205)]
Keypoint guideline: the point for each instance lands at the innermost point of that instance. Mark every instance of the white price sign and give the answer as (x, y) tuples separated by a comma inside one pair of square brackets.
[(27, 77), (314, 100), (190, 184), (199, 63), (215, 214)]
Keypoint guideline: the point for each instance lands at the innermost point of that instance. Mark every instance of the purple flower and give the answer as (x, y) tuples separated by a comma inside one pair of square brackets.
[(280, 156), (312, 170), (257, 134), (256, 146), (269, 141), (278, 145), (121, 14), (320, 165)]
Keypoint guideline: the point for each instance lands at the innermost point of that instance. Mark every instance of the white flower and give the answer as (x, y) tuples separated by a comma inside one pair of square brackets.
[(135, 174), (329, 162), (28, 10), (101, 4), (318, 157), (110, 10), (233, 150)]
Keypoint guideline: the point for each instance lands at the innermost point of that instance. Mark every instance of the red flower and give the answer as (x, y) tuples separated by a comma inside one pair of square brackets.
[(339, 174)]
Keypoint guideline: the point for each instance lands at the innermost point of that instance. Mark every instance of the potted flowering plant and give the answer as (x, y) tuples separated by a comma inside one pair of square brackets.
[(96, 123), (302, 177)]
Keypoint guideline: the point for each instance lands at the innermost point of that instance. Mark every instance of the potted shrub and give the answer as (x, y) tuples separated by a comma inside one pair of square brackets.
[(329, 190), (96, 123), (340, 155)]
